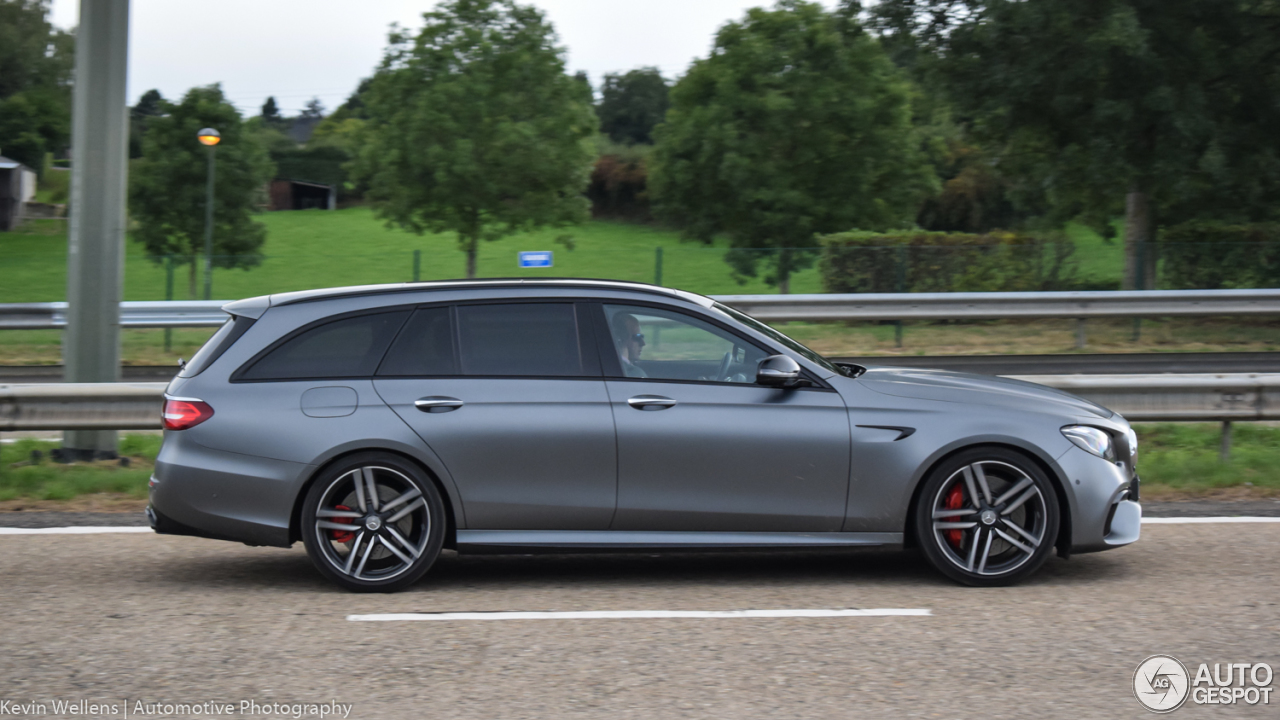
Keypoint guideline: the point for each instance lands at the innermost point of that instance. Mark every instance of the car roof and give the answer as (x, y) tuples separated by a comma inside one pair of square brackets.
[(254, 307)]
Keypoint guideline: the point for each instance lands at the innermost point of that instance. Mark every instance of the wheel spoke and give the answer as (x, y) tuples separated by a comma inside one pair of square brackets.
[(939, 514), (1014, 542), (1030, 493), (1023, 485), (327, 513), (973, 549), (954, 525), (328, 525), (406, 510), (406, 497), (368, 549), (351, 556), (370, 486), (359, 483), (1032, 539), (986, 553), (981, 477), (408, 546), (395, 550)]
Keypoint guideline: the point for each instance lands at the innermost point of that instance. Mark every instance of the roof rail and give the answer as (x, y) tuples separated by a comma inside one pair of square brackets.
[(302, 296)]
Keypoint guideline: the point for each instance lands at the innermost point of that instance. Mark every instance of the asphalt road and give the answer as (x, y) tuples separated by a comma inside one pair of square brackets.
[(170, 620)]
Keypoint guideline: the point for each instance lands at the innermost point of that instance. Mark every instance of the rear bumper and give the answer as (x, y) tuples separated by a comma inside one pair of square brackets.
[(201, 492)]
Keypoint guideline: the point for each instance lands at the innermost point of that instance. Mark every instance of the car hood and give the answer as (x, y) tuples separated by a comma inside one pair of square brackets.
[(967, 388)]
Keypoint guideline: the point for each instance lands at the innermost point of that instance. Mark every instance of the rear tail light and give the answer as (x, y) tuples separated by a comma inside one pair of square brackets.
[(183, 413)]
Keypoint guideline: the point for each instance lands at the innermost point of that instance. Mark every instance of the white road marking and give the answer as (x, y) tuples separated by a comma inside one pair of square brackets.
[(641, 614), (1202, 520), (73, 530)]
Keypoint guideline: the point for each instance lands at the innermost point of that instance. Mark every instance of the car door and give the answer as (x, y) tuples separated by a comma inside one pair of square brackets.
[(505, 396), (701, 446)]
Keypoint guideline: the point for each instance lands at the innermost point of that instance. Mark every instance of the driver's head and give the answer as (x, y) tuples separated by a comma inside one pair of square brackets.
[(626, 330)]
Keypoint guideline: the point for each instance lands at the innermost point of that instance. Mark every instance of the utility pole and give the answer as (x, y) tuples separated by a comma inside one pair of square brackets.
[(210, 139), (99, 181)]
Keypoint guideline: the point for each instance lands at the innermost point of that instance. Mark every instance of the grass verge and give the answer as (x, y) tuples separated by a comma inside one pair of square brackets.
[(1176, 460)]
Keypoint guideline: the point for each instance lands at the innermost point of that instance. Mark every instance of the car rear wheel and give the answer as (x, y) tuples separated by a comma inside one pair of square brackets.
[(373, 523), (987, 517)]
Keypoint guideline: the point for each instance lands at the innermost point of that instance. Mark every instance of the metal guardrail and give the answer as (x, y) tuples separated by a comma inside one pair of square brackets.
[(150, 314), (993, 305), (1219, 398), (81, 406), (885, 306)]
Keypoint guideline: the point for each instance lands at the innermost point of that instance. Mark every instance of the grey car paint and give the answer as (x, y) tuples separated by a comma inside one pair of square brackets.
[(240, 474)]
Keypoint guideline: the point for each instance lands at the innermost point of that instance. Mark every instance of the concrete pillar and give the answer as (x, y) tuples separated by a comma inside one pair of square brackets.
[(99, 184)]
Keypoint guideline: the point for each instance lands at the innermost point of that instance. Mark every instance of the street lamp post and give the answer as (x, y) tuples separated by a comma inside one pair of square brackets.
[(210, 138)]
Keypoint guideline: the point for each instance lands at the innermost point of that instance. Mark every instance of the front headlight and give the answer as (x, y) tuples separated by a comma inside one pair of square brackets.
[(1132, 437), (1091, 439)]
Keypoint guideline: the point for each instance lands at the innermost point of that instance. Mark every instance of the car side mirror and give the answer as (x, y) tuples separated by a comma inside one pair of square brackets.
[(778, 371)]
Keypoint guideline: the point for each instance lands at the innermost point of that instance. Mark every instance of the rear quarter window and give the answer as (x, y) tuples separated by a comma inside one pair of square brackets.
[(221, 341), (344, 348)]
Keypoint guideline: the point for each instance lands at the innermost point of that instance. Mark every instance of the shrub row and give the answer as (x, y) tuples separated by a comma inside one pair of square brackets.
[(1211, 256), (918, 261)]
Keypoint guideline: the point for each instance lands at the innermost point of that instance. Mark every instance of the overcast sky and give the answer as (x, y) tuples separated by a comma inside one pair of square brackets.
[(299, 49)]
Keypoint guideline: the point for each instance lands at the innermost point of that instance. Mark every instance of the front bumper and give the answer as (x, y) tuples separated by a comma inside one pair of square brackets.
[(1103, 499)]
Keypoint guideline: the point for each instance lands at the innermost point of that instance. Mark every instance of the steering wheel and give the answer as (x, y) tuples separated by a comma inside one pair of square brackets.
[(722, 375)]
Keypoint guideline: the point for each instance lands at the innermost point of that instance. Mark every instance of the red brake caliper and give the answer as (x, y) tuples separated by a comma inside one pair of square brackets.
[(955, 500), (342, 536)]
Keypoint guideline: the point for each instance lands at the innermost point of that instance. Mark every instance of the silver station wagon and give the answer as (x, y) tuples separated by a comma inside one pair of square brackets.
[(381, 424)]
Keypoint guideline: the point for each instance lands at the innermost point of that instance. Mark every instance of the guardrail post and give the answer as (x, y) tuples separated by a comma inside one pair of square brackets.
[(657, 266), (417, 265), (168, 295), (1224, 452), (1080, 333)]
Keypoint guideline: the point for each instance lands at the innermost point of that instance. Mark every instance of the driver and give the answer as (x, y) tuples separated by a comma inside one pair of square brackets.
[(630, 342)]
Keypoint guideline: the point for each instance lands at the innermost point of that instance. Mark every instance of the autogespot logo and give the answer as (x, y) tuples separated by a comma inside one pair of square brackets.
[(1160, 683)]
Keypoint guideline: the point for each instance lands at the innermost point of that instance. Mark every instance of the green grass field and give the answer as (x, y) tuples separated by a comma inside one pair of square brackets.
[(316, 248), (1175, 460)]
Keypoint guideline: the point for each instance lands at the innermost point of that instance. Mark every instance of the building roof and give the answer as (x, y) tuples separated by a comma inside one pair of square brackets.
[(8, 164)]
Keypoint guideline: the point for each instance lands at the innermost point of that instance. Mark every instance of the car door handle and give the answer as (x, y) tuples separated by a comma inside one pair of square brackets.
[(650, 402), (437, 404)]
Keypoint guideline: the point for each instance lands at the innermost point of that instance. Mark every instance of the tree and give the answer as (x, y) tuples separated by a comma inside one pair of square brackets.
[(36, 62), (271, 113), (1162, 110), (475, 128), (167, 186), (797, 124), (150, 105), (314, 109), (631, 105)]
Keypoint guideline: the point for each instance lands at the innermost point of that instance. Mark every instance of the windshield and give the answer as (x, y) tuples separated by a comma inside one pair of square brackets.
[(779, 338)]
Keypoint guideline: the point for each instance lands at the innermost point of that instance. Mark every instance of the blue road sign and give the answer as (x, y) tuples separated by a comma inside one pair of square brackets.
[(536, 259)]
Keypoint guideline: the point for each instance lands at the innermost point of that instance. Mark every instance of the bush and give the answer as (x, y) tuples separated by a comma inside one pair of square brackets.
[(619, 184), (1210, 256), (918, 261)]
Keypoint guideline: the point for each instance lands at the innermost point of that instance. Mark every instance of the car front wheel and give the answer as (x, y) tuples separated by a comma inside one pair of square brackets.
[(373, 523), (987, 517)]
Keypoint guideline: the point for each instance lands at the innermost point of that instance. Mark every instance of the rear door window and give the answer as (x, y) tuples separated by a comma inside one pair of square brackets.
[(524, 339), (423, 348), (350, 347)]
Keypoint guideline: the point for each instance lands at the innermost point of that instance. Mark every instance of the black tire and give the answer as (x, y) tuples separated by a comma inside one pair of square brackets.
[(364, 554), (1003, 537)]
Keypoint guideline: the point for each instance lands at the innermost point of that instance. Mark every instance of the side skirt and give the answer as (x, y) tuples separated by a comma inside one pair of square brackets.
[(592, 541)]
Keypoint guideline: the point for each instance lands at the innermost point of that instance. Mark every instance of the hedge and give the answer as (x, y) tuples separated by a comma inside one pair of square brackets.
[(919, 261), (1211, 256)]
